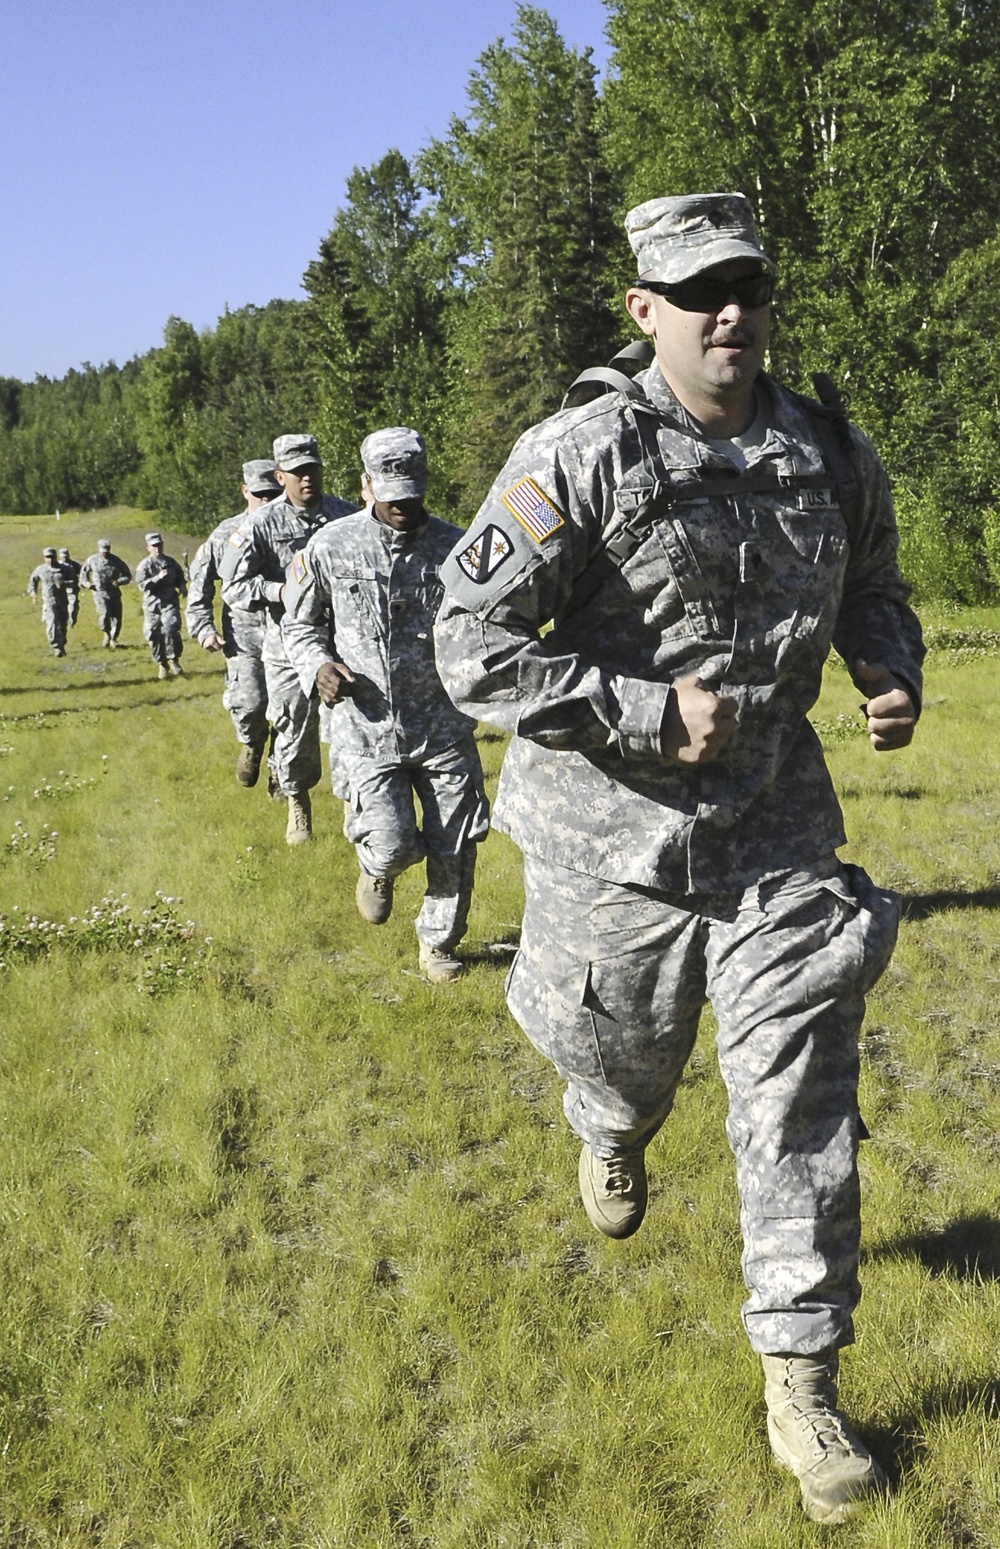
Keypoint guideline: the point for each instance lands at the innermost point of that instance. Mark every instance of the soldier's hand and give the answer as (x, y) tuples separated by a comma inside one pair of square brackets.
[(334, 682), (891, 713), (210, 641), (698, 723)]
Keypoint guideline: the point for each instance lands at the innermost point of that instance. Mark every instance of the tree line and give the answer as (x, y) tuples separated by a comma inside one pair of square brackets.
[(462, 291)]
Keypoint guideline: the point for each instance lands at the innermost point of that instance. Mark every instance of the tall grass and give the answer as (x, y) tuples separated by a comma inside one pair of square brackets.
[(292, 1253)]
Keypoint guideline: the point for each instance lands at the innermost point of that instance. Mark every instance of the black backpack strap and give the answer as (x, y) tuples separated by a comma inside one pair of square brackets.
[(615, 377), (833, 432)]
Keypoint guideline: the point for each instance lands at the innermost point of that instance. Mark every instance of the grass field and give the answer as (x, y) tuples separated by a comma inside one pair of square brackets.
[(292, 1252)]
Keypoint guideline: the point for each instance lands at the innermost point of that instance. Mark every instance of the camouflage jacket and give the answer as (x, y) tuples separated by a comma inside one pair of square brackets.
[(364, 595), (747, 590), (54, 583), (160, 578), (260, 549), (203, 576), (104, 573)]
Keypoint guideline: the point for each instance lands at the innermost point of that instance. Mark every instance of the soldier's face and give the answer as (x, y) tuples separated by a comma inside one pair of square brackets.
[(706, 354), (156, 549), (303, 485), (254, 500), (401, 515)]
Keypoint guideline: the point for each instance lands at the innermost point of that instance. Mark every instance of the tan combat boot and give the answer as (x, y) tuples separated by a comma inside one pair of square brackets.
[(175, 667), (248, 764), (161, 672), (613, 1190), (373, 896), (812, 1438), (439, 965), (299, 829)]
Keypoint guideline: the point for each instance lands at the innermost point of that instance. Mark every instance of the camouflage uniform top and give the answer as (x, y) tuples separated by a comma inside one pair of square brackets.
[(160, 578), (54, 582), (365, 595), (204, 572), (104, 572), (746, 590), (260, 549)]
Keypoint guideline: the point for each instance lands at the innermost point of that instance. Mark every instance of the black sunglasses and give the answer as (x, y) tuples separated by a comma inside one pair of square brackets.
[(710, 293)]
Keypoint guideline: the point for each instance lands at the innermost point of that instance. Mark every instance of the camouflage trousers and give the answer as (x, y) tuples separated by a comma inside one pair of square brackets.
[(161, 628), (245, 694), (380, 820), (109, 613), (609, 985), (294, 759), (55, 621)]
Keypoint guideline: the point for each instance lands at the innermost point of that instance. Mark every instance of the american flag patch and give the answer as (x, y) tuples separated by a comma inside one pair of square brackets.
[(299, 567), (236, 538), (533, 510)]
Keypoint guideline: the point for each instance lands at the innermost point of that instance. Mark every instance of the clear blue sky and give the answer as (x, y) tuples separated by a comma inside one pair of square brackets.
[(178, 156)]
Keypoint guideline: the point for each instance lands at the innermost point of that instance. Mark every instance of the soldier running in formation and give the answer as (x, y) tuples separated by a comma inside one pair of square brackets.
[(52, 580), (242, 636), (71, 570), (360, 602), (699, 546), (161, 581), (252, 570), (105, 574)]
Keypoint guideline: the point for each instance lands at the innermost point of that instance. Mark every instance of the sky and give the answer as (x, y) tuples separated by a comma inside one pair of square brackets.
[(175, 157)]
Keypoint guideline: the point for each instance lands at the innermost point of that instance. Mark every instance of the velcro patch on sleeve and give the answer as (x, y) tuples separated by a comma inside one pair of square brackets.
[(485, 555), (533, 509), (300, 570), (236, 538)]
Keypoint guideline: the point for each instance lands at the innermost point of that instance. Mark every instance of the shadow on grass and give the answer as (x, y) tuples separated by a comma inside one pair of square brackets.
[(968, 1248), (498, 954), (920, 906), (899, 1445)]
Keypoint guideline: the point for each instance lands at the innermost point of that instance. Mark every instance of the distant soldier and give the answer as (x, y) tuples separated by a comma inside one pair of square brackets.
[(360, 603), (105, 574), (160, 579), (252, 571), (50, 579), (71, 569), (242, 637)]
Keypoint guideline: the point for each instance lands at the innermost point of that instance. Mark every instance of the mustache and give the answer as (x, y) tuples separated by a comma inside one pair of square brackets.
[(730, 336)]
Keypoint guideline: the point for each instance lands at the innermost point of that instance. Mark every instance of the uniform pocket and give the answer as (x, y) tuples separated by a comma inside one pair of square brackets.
[(547, 1002)]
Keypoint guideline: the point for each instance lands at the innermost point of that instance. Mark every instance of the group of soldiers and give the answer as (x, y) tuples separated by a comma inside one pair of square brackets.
[(644, 603), (59, 580)]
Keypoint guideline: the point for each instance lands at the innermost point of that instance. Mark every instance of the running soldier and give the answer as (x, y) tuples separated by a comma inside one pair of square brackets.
[(71, 569), (242, 636), (698, 547), (252, 570), (161, 580), (50, 578), (105, 574), (360, 603)]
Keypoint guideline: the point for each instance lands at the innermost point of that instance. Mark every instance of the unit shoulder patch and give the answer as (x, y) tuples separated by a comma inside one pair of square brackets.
[(484, 556), (533, 509)]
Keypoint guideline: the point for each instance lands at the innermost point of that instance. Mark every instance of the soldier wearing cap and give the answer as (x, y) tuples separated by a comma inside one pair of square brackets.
[(71, 570), (161, 580), (360, 601), (252, 569), (698, 547), (242, 636), (50, 579), (105, 574)]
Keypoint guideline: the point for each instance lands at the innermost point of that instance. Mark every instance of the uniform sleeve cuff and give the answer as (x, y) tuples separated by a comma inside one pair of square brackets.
[(643, 706)]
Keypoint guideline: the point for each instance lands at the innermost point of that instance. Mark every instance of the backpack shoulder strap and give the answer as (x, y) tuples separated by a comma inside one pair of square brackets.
[(828, 415)]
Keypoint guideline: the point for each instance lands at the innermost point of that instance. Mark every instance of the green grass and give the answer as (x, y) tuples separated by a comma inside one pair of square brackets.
[(291, 1248)]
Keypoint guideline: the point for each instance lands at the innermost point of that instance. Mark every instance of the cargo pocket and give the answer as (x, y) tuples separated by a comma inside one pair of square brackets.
[(549, 1006), (878, 920)]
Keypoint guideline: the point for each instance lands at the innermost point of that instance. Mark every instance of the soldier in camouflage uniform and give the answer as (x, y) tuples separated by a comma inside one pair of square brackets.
[(360, 601), (105, 574), (242, 637), (50, 578), (252, 569), (161, 580), (71, 570), (698, 553)]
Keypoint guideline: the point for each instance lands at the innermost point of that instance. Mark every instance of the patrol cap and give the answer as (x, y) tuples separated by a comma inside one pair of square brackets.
[(294, 451), (258, 476), (104, 543), (154, 537), (675, 238), (62, 552), (48, 553), (395, 461)]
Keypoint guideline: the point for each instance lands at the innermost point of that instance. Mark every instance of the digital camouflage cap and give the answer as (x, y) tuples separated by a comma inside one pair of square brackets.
[(295, 451), (675, 238), (258, 476), (395, 461)]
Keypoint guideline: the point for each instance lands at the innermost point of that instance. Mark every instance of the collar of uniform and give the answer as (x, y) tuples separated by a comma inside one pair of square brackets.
[(790, 442)]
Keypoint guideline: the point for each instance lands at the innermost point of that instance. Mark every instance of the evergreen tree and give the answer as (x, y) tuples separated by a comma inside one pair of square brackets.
[(522, 225)]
